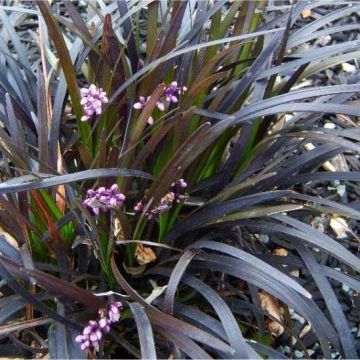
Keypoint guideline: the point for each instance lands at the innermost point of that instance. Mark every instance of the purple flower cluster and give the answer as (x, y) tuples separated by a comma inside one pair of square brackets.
[(170, 94), (177, 186), (92, 99), (170, 199), (95, 329), (173, 91), (103, 199)]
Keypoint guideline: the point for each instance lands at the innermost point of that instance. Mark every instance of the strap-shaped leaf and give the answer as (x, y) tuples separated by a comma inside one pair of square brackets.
[(23, 184), (331, 301), (145, 332)]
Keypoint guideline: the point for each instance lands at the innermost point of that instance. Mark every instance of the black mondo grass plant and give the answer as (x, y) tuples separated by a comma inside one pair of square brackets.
[(179, 180)]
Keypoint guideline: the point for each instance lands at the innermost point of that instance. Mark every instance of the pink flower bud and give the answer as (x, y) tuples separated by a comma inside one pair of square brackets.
[(114, 187), (137, 106), (160, 106), (150, 120)]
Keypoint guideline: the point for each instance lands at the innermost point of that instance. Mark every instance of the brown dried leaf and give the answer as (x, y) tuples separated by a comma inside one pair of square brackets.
[(280, 252), (144, 255), (271, 305)]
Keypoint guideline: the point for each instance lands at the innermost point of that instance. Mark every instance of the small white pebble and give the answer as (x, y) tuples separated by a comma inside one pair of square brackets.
[(354, 329), (318, 223), (298, 354), (340, 227), (264, 238), (299, 318), (324, 40), (295, 273), (288, 117), (345, 288), (348, 67), (329, 125), (341, 189), (286, 349)]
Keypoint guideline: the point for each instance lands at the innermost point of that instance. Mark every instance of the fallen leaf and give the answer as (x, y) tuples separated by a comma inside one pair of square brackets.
[(280, 252), (144, 255), (274, 327), (270, 304)]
